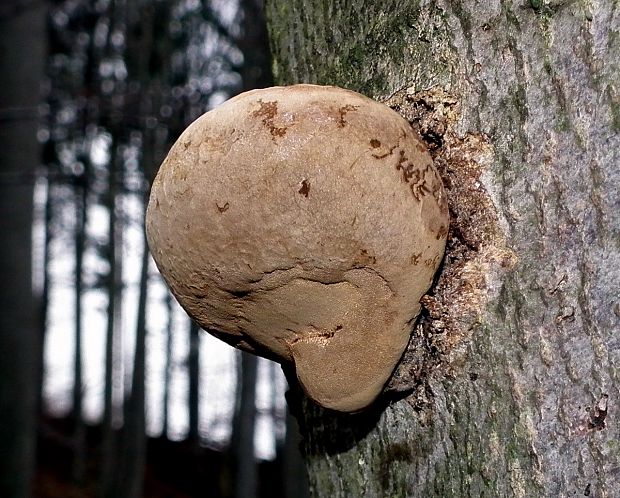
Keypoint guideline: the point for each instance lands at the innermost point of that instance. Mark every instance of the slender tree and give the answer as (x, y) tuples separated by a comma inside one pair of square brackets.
[(45, 286), (112, 113), (253, 42), (79, 430), (193, 361), (244, 421), (167, 368), (133, 455), (294, 475), (114, 290), (22, 45)]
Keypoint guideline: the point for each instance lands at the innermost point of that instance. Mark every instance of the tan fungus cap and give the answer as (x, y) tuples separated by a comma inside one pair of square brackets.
[(303, 224)]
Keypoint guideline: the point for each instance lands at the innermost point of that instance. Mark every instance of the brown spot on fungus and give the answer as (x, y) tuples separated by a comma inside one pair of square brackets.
[(223, 208), (328, 286), (442, 232), (268, 111), (364, 258), (342, 111), (305, 188)]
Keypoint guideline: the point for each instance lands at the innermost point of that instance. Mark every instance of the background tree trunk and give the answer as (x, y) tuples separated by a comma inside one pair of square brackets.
[(22, 49), (133, 456), (114, 294), (79, 429), (243, 425), (168, 368), (520, 395), (193, 370)]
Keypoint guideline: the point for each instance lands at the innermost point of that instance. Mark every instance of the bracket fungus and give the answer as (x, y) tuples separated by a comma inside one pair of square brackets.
[(302, 224)]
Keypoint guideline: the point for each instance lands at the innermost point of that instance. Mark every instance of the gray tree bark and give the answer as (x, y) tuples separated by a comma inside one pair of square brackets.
[(22, 56), (510, 386)]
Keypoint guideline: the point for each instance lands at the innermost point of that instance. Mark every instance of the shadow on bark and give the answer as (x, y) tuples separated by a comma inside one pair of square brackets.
[(328, 431)]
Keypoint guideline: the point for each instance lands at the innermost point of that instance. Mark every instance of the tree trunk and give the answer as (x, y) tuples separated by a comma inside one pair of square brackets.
[(22, 35), (79, 429), (244, 421), (254, 44), (114, 291), (294, 475), (193, 363), (168, 367), (510, 385), (133, 456)]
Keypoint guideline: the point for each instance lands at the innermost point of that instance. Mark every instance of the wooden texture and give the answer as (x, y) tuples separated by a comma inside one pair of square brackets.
[(524, 401)]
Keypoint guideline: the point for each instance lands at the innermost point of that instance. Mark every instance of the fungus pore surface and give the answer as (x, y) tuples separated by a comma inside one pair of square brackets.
[(303, 224)]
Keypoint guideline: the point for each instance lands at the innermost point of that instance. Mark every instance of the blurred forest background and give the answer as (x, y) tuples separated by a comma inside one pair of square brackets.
[(106, 387)]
